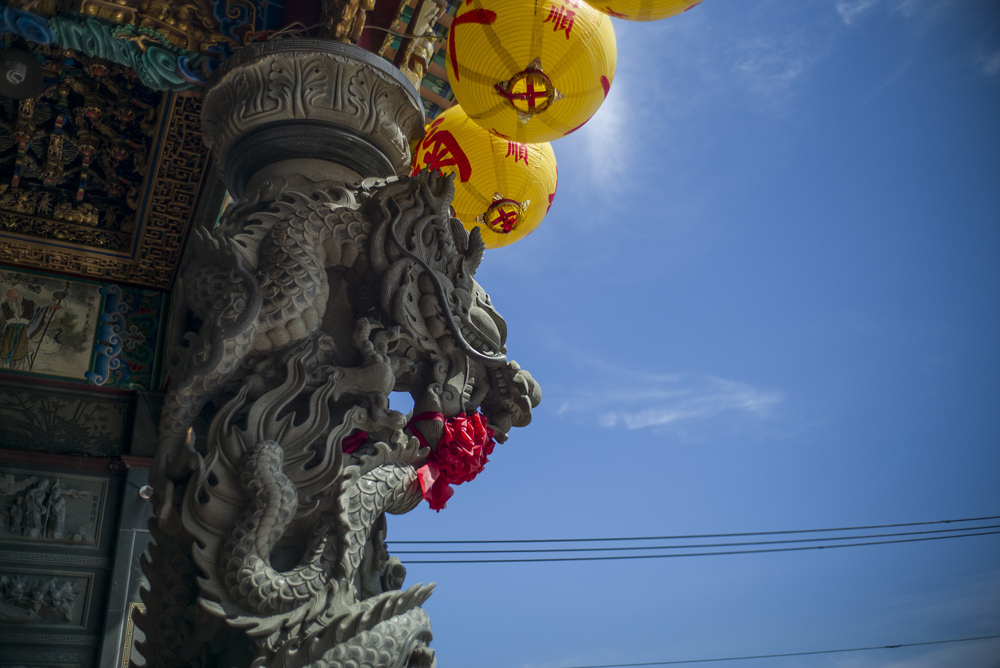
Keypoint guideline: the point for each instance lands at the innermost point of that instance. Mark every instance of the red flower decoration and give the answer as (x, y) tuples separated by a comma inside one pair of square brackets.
[(461, 455)]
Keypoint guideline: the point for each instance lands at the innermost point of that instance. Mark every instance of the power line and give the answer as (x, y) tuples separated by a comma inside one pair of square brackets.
[(693, 554), (696, 546), (785, 654), (694, 536)]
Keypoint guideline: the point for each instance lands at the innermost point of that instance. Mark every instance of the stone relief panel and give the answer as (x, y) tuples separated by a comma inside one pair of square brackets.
[(46, 419), (42, 599), (64, 510)]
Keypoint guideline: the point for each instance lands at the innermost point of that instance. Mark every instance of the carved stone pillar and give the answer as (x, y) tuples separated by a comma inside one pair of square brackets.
[(332, 281)]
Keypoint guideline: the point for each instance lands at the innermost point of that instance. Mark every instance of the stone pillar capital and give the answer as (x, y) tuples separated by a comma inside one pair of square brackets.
[(309, 98)]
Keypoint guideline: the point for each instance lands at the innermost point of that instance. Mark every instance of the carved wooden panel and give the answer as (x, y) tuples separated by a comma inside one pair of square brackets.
[(42, 418), (140, 245)]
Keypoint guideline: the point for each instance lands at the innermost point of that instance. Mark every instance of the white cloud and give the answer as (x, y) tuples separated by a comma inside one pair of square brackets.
[(673, 74), (911, 8), (850, 10), (920, 14), (672, 399), (770, 67), (964, 610), (607, 138), (973, 603), (990, 64)]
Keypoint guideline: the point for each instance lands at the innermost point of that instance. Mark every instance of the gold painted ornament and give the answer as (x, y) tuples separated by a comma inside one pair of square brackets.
[(642, 10), (531, 71), (503, 187)]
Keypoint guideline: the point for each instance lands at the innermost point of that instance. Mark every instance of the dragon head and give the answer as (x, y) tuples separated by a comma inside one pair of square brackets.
[(426, 262)]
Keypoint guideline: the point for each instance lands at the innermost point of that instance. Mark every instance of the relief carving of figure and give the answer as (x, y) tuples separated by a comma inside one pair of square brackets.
[(17, 516), (24, 599), (38, 509), (34, 501), (55, 513)]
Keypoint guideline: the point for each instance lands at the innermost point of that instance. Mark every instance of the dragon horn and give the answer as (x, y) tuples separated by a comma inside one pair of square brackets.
[(475, 251)]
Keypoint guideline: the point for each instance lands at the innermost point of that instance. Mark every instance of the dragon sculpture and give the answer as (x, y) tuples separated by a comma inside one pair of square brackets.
[(316, 304)]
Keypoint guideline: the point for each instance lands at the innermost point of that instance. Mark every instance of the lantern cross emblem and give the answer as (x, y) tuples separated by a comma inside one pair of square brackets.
[(506, 219), (530, 91), (503, 215)]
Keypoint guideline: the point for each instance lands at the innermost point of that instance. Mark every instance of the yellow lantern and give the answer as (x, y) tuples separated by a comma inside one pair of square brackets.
[(503, 187), (642, 10), (531, 71)]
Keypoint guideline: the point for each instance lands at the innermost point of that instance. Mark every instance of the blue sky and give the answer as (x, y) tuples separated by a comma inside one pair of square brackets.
[(766, 298)]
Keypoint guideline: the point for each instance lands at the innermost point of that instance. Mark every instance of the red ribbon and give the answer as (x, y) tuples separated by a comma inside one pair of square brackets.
[(423, 417), (434, 478), (354, 441)]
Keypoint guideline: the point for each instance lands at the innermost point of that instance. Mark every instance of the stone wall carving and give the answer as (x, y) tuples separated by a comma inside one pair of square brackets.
[(55, 567), (28, 597), (63, 510)]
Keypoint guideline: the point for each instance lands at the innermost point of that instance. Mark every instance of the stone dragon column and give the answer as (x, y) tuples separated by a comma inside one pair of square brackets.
[(333, 280)]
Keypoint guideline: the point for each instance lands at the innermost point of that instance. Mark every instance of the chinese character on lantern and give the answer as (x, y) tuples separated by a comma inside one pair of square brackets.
[(518, 150)]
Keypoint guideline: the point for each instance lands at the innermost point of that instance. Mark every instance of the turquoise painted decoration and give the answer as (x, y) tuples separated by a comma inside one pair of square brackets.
[(126, 340), (30, 26), (157, 64), (109, 341)]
